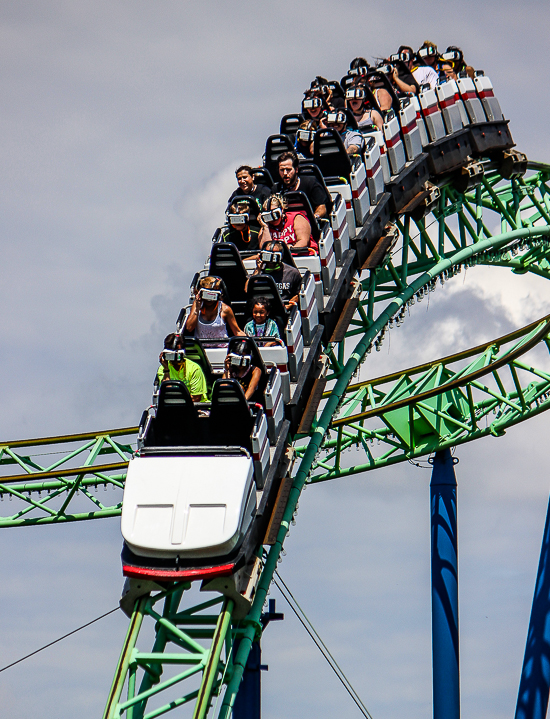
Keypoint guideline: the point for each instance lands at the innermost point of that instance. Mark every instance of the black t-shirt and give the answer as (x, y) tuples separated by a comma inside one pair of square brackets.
[(312, 189), (287, 279), (405, 75), (247, 240), (260, 194)]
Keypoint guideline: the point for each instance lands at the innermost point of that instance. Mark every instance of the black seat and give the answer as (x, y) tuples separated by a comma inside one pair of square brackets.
[(176, 421), (195, 352), (274, 147), (380, 80), (253, 210), (257, 361), (298, 202), (310, 169), (264, 286), (231, 418), (290, 124), (226, 263), (263, 177), (330, 154)]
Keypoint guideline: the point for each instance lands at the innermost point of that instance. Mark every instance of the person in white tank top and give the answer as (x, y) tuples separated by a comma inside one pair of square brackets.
[(210, 317)]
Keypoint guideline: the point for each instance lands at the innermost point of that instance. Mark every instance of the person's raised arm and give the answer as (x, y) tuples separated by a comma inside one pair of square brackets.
[(302, 230), (193, 316), (403, 86), (229, 318), (254, 382), (377, 119)]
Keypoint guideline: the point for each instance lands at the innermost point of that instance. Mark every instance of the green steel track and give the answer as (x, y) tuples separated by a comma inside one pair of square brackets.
[(481, 391)]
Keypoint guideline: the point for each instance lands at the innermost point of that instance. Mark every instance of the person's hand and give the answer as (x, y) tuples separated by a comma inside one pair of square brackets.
[(289, 305), (163, 362), (394, 73), (260, 264), (261, 220)]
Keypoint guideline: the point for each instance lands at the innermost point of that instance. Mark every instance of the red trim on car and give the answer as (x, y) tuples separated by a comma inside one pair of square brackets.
[(223, 570)]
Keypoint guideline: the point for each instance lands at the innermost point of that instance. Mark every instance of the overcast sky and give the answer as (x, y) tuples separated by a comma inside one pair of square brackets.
[(122, 124)]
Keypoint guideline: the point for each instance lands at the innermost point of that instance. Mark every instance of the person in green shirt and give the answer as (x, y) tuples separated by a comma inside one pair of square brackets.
[(185, 371)]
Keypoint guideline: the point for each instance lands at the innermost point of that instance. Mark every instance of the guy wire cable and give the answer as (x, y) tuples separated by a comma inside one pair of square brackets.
[(310, 629)]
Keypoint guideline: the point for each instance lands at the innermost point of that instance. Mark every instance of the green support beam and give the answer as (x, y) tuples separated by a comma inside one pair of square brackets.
[(466, 396)]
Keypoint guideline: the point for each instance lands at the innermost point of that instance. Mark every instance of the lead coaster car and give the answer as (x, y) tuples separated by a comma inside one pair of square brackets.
[(193, 508)]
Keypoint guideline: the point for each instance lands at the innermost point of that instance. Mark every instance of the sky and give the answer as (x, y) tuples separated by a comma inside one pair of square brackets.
[(122, 124)]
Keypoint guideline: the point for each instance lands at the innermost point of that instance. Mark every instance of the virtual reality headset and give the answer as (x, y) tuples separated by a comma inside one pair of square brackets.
[(335, 118), (361, 70), (305, 135), (387, 68), (268, 256), (451, 55), (173, 355), (404, 56), (428, 51), (312, 102), (355, 93), (209, 295), (240, 219), (239, 360), (272, 215)]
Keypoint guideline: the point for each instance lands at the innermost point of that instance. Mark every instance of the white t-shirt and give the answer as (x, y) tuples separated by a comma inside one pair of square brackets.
[(425, 74)]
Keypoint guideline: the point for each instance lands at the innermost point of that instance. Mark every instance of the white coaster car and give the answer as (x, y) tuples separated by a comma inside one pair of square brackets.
[(190, 495)]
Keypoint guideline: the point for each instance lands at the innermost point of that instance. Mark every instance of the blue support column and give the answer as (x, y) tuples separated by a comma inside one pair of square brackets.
[(248, 702), (446, 680), (534, 685)]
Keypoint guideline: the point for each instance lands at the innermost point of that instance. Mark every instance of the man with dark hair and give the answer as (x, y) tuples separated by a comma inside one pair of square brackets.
[(247, 186), (182, 369), (292, 182)]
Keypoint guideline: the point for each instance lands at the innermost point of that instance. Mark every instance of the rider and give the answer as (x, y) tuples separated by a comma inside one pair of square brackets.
[(247, 186), (182, 369), (209, 316), (286, 277), (358, 105), (353, 141), (278, 223)]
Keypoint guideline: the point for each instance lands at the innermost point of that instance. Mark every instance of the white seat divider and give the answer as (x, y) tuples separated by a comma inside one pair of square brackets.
[(486, 94), (295, 344), (431, 114), (447, 96), (375, 174), (327, 257), (340, 227), (260, 451), (340, 186), (274, 405), (277, 356), (409, 128), (359, 190), (308, 307), (471, 101), (394, 144), (424, 139)]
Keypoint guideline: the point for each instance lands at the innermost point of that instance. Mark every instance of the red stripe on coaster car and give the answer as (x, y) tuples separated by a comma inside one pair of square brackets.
[(392, 141), (374, 169), (356, 194), (449, 102), (348, 204), (427, 111), (486, 93), (410, 127), (325, 260), (282, 368), (223, 570)]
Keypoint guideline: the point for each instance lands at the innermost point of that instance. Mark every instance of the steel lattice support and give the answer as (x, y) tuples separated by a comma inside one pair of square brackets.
[(415, 412), (70, 484)]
